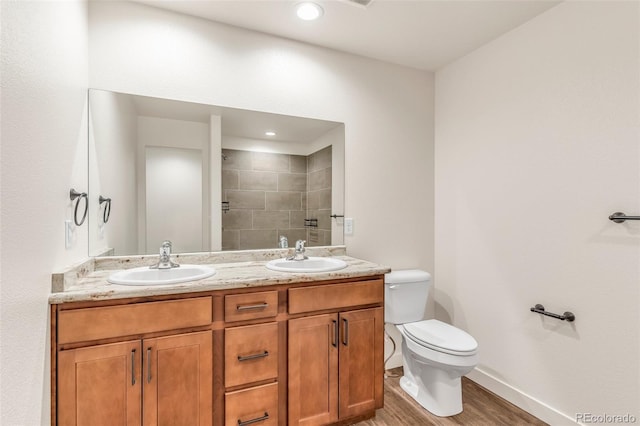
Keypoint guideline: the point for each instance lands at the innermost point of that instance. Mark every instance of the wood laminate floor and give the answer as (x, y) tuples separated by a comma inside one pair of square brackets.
[(480, 408)]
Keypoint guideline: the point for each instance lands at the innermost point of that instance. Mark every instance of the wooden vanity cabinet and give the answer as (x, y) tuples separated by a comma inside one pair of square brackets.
[(289, 354), (163, 380), (336, 365), (251, 359)]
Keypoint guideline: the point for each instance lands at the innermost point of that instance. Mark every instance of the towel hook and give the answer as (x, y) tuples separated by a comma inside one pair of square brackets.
[(78, 196), (107, 208)]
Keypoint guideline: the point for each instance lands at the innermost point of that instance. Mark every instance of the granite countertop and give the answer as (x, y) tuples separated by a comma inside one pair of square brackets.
[(88, 281)]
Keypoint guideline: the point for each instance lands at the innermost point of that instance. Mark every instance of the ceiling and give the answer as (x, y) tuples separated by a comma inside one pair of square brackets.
[(422, 34), (236, 122)]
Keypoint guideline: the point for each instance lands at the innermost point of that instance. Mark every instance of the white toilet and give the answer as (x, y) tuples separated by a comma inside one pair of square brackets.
[(435, 355)]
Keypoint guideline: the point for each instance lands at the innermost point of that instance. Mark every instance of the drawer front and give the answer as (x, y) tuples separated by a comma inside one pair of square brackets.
[(250, 354), (79, 325), (335, 296), (257, 405), (248, 306)]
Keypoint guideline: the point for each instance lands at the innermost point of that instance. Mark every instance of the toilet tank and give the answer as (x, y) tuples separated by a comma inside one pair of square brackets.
[(405, 295)]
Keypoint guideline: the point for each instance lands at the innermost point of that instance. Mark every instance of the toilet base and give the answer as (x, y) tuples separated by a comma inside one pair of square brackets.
[(442, 401), (435, 388)]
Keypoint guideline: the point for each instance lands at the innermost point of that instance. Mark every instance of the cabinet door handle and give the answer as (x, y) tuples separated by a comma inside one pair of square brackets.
[(254, 356), (345, 334), (334, 338), (256, 420), (133, 367), (249, 307), (148, 365)]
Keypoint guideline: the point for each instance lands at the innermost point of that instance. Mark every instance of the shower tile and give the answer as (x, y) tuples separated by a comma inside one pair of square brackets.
[(270, 219), (265, 181), (258, 239), (246, 199), (237, 219), (264, 161), (298, 164), (236, 159), (283, 201), (292, 182), (229, 179)]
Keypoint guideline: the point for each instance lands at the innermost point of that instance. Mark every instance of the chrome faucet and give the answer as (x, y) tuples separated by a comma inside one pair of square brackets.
[(283, 243), (165, 257), (299, 253)]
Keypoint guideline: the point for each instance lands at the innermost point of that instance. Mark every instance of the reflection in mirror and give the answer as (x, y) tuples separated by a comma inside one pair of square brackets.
[(208, 178)]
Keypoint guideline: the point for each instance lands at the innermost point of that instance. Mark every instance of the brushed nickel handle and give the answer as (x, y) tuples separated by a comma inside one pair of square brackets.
[(148, 365), (133, 367), (256, 420), (254, 356), (334, 337), (345, 334), (248, 307)]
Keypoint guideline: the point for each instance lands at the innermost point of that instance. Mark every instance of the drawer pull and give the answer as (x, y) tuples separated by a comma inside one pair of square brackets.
[(254, 356), (256, 420), (262, 305), (133, 367), (345, 335), (148, 365), (334, 338)]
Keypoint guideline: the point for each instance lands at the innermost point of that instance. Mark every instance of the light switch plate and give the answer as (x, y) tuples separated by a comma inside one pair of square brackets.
[(68, 234), (348, 226)]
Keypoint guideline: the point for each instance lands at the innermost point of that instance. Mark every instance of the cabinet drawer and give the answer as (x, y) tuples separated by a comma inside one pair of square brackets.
[(79, 325), (335, 296), (257, 405), (250, 354), (248, 306)]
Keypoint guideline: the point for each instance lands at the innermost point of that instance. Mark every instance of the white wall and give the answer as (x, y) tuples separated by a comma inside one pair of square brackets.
[(536, 145), (113, 135), (44, 153), (387, 109)]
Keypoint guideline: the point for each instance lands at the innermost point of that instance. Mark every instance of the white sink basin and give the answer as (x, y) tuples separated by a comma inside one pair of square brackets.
[(311, 264), (146, 276)]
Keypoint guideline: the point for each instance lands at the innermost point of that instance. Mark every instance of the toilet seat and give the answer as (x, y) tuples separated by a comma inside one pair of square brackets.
[(441, 337)]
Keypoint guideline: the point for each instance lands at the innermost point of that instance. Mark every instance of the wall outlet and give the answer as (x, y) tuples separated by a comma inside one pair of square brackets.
[(348, 226)]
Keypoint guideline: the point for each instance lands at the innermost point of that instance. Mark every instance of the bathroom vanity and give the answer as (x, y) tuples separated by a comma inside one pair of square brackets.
[(245, 346)]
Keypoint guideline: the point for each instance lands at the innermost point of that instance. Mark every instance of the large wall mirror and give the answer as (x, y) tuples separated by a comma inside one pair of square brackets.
[(209, 178)]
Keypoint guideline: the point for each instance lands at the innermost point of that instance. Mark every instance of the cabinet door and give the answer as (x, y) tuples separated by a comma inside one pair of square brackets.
[(178, 379), (361, 361), (100, 385), (313, 370)]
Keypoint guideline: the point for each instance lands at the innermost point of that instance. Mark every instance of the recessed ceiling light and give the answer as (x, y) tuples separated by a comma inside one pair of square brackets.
[(309, 11), (270, 133)]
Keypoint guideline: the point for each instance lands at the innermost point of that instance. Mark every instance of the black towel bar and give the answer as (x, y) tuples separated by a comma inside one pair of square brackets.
[(619, 217), (567, 316)]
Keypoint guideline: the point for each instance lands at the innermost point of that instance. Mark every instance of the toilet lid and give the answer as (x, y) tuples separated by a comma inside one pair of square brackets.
[(441, 337)]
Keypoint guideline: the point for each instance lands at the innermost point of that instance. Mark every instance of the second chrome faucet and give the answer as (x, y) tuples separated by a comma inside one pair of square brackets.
[(299, 253), (165, 261)]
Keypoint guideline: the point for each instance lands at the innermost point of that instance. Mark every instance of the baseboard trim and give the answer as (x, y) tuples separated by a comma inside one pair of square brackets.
[(520, 399)]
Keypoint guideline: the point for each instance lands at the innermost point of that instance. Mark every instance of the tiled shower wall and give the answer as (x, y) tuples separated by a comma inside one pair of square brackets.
[(270, 195)]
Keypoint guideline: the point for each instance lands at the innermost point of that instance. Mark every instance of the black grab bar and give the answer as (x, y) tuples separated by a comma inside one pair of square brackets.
[(567, 316), (619, 217)]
